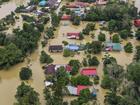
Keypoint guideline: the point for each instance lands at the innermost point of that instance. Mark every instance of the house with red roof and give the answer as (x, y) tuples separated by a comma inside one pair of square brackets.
[(76, 90), (137, 22), (80, 88), (73, 35), (66, 17), (89, 71)]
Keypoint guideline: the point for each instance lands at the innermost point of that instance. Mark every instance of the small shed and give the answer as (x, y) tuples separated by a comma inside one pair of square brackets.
[(89, 71), (43, 3), (55, 48), (73, 35), (113, 47), (72, 47), (137, 22)]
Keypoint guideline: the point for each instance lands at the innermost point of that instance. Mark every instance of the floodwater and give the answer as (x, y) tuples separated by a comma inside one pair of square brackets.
[(9, 79), (8, 7)]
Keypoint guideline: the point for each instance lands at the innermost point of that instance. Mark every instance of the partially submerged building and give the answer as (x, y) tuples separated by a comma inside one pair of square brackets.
[(137, 22), (55, 48), (113, 47), (66, 17), (89, 72), (72, 47), (73, 35)]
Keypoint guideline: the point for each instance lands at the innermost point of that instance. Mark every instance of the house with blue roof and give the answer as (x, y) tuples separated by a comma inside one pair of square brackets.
[(72, 47), (43, 3)]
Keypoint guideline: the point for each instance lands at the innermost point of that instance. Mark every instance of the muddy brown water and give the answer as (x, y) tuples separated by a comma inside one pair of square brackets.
[(9, 79)]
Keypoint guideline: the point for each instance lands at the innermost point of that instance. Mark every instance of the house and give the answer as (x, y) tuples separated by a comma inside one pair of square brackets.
[(72, 47), (66, 17), (137, 22), (76, 90), (55, 48), (43, 3), (50, 69), (77, 5), (73, 35), (89, 71), (72, 90), (113, 47), (80, 88)]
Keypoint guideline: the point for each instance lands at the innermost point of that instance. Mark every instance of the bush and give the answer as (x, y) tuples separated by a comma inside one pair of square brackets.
[(116, 38), (45, 58), (93, 61), (25, 73), (128, 47), (101, 37)]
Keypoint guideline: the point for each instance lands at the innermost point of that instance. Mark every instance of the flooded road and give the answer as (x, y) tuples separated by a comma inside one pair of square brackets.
[(8, 7)]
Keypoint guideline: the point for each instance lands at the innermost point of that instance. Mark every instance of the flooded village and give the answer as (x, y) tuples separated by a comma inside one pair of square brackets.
[(70, 63)]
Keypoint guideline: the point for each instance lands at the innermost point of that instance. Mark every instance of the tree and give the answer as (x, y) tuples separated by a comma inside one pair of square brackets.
[(108, 59), (25, 73), (62, 77), (137, 34), (26, 95), (75, 64), (66, 53), (89, 27), (93, 61), (49, 33), (115, 38), (101, 37), (128, 47), (134, 72), (10, 55), (85, 63), (124, 34), (94, 47), (106, 82), (45, 58), (81, 37), (40, 27), (80, 80), (137, 55), (55, 20)]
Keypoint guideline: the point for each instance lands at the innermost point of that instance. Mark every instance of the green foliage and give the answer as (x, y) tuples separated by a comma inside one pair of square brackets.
[(61, 75), (124, 34), (128, 47), (55, 20), (81, 37), (80, 80), (40, 27), (93, 61), (137, 55), (45, 58), (137, 34), (25, 73), (89, 27), (2, 39), (106, 82), (27, 39), (102, 37), (84, 62), (65, 43), (75, 66), (116, 38), (134, 72), (67, 53), (26, 95), (10, 55), (94, 47), (49, 33)]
